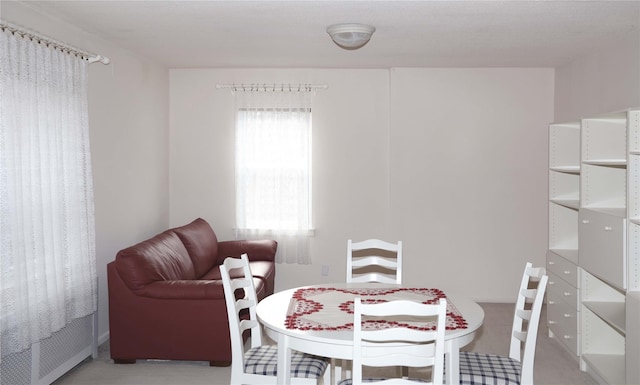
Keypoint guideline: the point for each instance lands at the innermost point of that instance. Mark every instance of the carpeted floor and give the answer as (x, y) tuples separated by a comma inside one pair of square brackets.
[(554, 366)]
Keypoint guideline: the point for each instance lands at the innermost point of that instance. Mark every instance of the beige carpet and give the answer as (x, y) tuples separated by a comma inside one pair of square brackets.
[(554, 366)]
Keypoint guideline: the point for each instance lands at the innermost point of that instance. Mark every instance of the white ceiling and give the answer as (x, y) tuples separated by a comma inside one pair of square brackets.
[(210, 33)]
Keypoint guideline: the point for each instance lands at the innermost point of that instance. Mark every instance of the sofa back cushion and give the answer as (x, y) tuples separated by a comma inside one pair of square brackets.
[(161, 258), (201, 243)]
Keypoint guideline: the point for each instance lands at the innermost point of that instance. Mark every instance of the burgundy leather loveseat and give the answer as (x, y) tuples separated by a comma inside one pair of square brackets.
[(166, 299)]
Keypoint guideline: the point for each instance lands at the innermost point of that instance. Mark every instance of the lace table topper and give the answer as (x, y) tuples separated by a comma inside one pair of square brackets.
[(326, 308)]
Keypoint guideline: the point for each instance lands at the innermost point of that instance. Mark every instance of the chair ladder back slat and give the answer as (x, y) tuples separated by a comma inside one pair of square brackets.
[(240, 283), (375, 260), (375, 244), (246, 324), (524, 314), (242, 304), (535, 272), (409, 335), (521, 336), (379, 278), (528, 293)]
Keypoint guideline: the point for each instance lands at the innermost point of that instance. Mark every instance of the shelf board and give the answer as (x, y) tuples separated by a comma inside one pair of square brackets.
[(635, 220), (570, 203), (618, 118), (611, 367), (618, 162), (568, 254), (615, 211), (634, 152), (566, 169), (613, 313)]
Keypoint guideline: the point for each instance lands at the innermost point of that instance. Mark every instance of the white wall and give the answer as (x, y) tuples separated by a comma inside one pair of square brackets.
[(128, 118), (468, 176), (605, 81), (450, 161)]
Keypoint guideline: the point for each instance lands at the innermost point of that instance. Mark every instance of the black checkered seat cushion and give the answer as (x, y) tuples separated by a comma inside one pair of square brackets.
[(349, 381), (264, 360), (488, 369)]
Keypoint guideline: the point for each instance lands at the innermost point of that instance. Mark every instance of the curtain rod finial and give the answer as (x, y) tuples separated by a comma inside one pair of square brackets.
[(99, 58)]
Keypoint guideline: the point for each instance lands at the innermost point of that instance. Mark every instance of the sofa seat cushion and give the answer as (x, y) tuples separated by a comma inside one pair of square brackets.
[(262, 287), (183, 290), (161, 258), (259, 269), (263, 269)]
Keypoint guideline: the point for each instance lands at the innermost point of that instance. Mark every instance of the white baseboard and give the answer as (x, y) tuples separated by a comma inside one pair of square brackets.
[(103, 338)]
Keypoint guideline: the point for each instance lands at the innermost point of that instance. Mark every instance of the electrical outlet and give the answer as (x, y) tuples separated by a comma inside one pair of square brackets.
[(325, 271)]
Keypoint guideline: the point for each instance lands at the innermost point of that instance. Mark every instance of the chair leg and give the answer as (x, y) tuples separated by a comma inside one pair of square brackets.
[(332, 379), (346, 369), (340, 368)]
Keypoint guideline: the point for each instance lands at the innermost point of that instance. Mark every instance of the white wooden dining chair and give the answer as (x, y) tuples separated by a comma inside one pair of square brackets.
[(374, 260), (517, 368), (402, 344), (258, 364)]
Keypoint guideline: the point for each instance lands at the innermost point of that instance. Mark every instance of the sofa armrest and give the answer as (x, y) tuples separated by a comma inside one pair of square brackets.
[(183, 289), (257, 250)]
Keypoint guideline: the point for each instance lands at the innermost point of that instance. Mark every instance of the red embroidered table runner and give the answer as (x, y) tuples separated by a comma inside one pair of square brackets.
[(326, 308)]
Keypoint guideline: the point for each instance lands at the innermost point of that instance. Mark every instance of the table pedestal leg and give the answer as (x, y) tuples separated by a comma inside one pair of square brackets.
[(284, 360)]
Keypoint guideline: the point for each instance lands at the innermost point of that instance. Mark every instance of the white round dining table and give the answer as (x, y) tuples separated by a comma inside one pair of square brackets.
[(272, 314)]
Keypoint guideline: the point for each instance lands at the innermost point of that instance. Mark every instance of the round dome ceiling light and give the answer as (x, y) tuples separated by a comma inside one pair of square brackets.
[(350, 36)]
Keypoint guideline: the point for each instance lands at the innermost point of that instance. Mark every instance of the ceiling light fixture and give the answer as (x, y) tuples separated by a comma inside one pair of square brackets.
[(350, 36)]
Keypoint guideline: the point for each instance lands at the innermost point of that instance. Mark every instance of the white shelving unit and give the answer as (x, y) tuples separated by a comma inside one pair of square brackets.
[(562, 259), (607, 232), (632, 347), (594, 243)]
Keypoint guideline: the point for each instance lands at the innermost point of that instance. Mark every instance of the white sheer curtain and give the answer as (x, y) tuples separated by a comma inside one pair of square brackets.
[(273, 169), (47, 231)]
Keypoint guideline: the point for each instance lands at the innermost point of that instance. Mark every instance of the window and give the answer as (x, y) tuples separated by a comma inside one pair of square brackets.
[(273, 170)]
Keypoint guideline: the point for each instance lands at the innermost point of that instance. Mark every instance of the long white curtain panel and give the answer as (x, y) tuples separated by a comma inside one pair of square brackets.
[(47, 230)]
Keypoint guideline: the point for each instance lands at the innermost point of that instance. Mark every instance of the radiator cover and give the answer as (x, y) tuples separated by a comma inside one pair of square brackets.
[(49, 359)]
